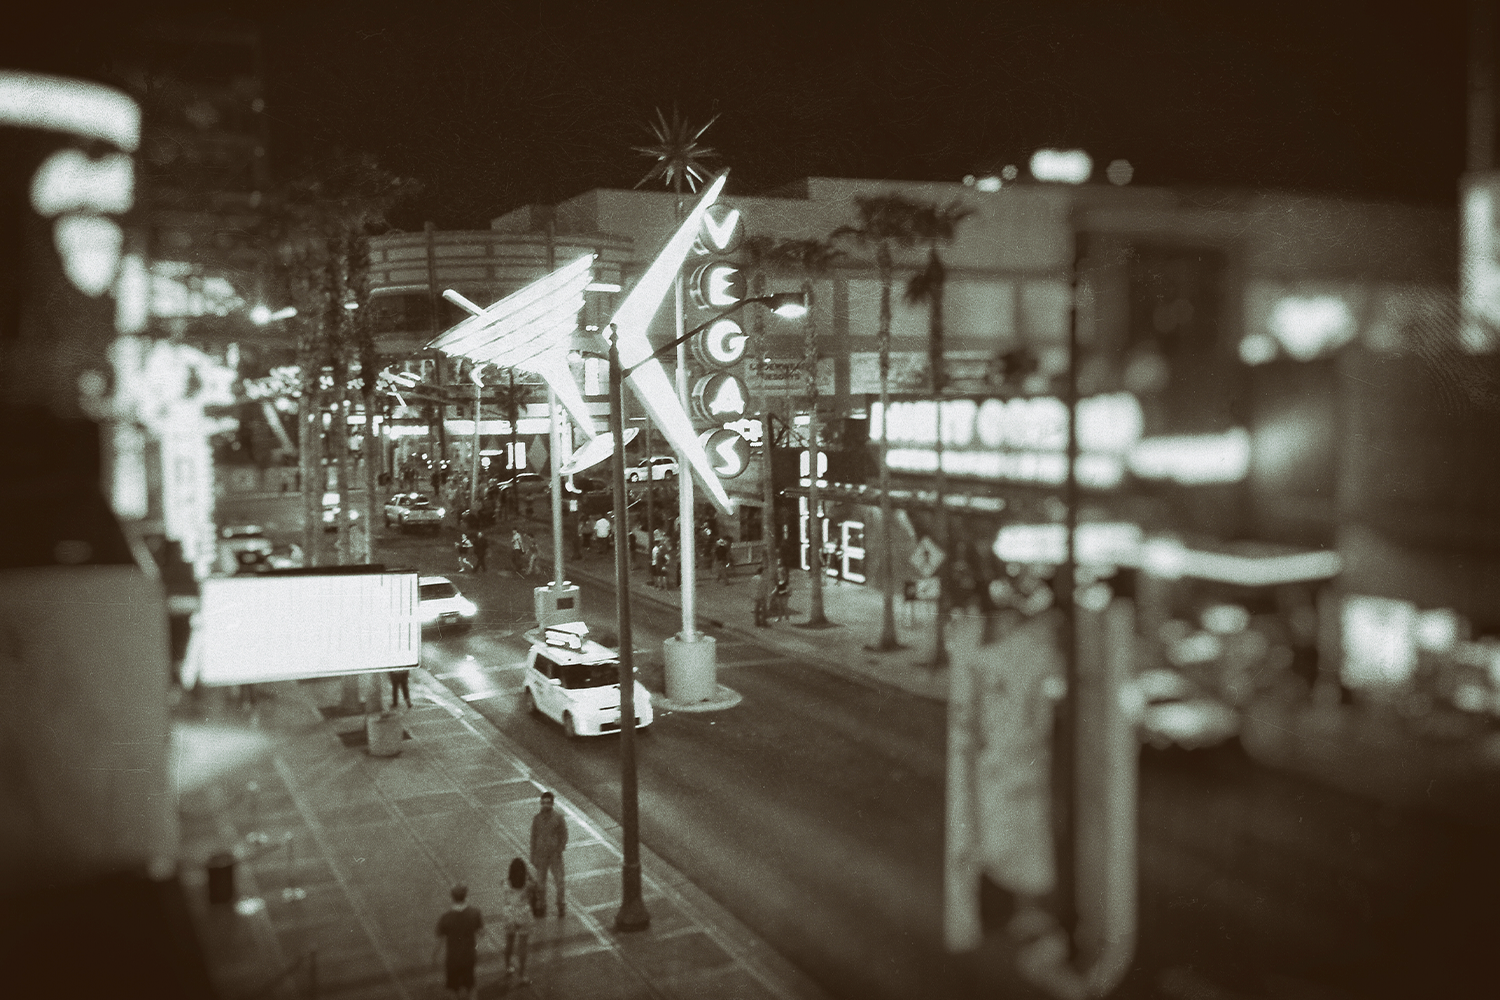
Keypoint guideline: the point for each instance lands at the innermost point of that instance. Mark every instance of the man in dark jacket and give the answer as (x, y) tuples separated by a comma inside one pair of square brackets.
[(549, 836)]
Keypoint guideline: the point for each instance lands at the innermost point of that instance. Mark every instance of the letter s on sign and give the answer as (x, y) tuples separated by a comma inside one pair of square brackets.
[(727, 450)]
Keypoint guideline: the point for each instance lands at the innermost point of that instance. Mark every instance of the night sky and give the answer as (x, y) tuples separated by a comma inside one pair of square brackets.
[(493, 105)]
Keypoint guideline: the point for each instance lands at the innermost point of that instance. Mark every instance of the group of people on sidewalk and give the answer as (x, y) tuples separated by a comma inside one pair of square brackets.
[(770, 597), (523, 899)]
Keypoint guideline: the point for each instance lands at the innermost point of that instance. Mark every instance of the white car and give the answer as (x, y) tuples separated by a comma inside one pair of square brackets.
[(413, 510), (575, 681), (1173, 711), (331, 512), (441, 604), (658, 468)]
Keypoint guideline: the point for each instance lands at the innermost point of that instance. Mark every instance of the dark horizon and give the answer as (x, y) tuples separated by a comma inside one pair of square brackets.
[(495, 106)]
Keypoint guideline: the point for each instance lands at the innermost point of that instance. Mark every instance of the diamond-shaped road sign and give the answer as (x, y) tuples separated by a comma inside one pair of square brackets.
[(927, 557)]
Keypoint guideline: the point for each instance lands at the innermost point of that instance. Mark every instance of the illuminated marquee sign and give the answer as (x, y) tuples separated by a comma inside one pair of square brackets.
[(1021, 440), (1026, 440)]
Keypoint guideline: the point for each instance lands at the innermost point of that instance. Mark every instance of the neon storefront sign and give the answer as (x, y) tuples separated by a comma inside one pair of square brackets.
[(1021, 440), (1026, 441)]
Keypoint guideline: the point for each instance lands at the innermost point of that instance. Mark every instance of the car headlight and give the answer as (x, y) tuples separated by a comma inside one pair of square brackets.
[(442, 512), (467, 608)]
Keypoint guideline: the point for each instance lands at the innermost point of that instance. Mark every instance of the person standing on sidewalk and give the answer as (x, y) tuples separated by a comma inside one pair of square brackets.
[(400, 685), (722, 555), (762, 595), (517, 905), (580, 536), (601, 533), (549, 837), (460, 928), (481, 548), (532, 552)]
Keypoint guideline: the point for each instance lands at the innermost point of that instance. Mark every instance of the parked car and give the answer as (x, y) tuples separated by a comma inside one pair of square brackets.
[(576, 681), (1173, 711), (243, 548), (526, 484), (413, 510), (656, 468), (441, 605), (331, 512)]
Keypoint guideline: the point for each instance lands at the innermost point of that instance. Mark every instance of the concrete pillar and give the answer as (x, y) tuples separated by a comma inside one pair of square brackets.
[(692, 670), (555, 606)]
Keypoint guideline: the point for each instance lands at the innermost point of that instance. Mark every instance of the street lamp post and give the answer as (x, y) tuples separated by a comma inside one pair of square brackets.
[(633, 915)]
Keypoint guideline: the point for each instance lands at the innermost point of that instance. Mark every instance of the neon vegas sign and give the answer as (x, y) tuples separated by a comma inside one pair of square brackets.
[(1026, 439)]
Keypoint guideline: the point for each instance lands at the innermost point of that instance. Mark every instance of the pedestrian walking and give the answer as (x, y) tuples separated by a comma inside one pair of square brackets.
[(400, 686), (459, 928), (517, 551), (601, 533), (722, 554), (517, 906), (781, 593), (481, 550), (580, 536), (465, 553), (762, 596), (658, 560), (549, 837), (533, 552)]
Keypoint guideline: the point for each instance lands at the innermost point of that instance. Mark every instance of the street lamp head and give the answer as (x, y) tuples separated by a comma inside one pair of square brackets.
[(788, 305)]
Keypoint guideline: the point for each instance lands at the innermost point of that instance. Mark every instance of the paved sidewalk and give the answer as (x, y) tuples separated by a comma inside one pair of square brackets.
[(345, 861)]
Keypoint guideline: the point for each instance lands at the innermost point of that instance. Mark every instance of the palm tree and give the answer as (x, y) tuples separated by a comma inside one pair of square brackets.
[(808, 259), (324, 222), (937, 225), (885, 221)]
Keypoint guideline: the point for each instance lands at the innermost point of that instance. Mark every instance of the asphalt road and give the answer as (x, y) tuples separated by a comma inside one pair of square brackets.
[(813, 811)]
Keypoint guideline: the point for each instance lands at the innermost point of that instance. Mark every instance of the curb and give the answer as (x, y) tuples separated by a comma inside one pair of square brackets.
[(756, 636)]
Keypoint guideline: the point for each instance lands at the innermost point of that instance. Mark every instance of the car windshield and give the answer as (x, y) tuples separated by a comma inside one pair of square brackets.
[(420, 502), (438, 591), (590, 675)]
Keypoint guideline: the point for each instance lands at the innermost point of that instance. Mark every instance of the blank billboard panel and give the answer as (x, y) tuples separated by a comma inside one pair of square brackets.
[(259, 629)]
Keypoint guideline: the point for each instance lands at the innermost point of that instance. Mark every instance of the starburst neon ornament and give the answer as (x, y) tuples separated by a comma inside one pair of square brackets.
[(679, 157)]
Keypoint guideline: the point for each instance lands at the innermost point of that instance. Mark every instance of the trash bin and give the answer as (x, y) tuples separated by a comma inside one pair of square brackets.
[(383, 732), (221, 878)]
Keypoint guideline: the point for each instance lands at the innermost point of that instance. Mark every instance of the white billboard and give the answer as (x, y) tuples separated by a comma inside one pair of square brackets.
[(259, 629)]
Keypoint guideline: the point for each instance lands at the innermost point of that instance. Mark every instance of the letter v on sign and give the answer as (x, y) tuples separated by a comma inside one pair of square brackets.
[(721, 230)]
